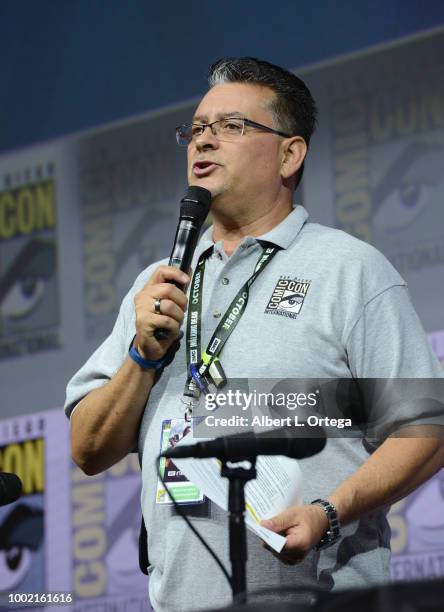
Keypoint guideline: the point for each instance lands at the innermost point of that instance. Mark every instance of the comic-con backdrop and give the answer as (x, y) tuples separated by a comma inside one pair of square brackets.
[(80, 217)]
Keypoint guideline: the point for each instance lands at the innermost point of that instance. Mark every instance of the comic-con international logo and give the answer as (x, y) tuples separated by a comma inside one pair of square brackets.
[(288, 297), (130, 182), (105, 531), (387, 155), (417, 526), (29, 305)]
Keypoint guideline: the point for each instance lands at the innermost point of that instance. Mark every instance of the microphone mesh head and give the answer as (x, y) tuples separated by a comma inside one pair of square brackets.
[(195, 204)]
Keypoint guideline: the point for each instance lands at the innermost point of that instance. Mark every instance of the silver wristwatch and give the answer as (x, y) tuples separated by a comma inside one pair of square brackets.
[(333, 532)]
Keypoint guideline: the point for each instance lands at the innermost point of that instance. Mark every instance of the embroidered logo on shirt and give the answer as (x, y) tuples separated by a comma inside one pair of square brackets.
[(287, 297)]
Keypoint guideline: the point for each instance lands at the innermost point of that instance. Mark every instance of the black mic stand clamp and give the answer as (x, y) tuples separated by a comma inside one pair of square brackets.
[(238, 477)]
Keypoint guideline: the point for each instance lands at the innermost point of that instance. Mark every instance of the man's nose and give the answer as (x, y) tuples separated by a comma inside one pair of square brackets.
[(207, 140)]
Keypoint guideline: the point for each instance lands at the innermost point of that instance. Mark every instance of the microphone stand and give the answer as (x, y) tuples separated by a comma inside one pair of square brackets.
[(238, 477)]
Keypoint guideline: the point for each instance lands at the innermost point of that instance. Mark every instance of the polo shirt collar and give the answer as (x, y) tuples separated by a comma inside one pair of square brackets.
[(282, 235)]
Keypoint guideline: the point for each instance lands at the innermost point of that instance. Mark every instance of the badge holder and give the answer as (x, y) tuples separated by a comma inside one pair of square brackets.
[(238, 477)]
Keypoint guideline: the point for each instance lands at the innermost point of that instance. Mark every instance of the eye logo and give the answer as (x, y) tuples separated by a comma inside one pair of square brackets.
[(288, 297), (29, 283), (21, 543), (292, 301)]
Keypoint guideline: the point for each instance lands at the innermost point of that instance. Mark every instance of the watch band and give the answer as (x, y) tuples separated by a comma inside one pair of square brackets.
[(333, 532)]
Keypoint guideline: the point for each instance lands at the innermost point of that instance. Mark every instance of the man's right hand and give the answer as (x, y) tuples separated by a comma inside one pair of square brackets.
[(173, 305), (105, 424)]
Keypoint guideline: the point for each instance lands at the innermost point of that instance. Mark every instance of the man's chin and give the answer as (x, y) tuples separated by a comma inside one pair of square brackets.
[(208, 183)]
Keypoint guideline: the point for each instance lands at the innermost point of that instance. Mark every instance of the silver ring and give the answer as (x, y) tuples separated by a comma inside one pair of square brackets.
[(157, 306)]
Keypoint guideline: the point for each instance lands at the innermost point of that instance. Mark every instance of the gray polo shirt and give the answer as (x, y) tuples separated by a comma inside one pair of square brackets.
[(327, 306)]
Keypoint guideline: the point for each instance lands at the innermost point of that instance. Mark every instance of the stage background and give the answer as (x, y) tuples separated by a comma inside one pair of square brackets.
[(81, 215)]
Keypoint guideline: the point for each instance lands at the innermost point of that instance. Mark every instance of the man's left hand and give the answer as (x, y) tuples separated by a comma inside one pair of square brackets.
[(303, 526)]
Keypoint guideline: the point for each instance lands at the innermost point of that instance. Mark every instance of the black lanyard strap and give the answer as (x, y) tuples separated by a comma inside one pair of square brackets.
[(228, 322), (193, 344)]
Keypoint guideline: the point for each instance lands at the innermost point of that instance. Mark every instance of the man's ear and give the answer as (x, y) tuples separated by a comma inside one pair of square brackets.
[(294, 150)]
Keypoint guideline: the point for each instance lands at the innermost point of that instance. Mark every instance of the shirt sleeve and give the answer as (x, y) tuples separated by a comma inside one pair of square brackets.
[(106, 360), (388, 340), (390, 357)]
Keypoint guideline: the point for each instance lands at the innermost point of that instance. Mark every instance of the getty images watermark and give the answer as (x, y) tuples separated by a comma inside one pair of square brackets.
[(247, 402), (373, 408)]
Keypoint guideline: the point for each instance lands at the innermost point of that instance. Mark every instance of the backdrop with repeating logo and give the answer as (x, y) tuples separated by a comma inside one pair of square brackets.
[(375, 171), (79, 219)]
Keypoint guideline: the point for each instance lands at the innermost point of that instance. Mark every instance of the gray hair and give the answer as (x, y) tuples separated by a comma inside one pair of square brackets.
[(293, 107)]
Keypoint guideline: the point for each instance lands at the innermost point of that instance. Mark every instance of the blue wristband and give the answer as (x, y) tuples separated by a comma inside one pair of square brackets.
[(147, 364)]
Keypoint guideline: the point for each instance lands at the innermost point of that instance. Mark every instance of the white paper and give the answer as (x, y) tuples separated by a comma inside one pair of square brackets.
[(278, 485)]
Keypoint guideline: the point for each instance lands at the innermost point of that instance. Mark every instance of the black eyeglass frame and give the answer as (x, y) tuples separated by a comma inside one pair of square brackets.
[(249, 122)]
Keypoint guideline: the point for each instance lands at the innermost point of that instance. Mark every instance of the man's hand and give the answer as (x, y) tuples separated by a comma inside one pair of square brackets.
[(303, 527), (172, 307), (397, 467), (105, 424)]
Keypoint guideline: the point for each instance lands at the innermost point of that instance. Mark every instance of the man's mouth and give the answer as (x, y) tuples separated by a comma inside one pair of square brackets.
[(203, 168)]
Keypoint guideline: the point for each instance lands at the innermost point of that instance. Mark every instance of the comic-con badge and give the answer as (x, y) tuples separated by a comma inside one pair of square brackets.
[(183, 491), (288, 297)]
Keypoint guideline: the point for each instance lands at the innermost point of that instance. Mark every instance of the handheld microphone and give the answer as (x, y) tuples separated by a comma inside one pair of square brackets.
[(194, 209), (10, 488), (245, 446)]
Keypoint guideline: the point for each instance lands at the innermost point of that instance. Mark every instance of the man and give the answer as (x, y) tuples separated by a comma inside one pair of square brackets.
[(247, 145)]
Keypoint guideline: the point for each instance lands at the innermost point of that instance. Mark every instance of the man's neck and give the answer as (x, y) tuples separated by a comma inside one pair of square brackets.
[(232, 233)]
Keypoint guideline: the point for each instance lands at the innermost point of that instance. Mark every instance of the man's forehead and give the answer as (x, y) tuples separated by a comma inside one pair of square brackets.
[(232, 100)]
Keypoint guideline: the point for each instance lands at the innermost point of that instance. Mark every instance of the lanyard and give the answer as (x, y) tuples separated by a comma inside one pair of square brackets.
[(199, 363)]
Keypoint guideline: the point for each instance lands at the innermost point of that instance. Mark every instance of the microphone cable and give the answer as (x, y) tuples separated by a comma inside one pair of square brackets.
[(191, 526)]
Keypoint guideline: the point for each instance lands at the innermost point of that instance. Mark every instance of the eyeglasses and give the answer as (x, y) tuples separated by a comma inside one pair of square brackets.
[(230, 128)]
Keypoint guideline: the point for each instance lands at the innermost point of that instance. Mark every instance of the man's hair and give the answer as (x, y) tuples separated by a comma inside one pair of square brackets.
[(292, 107)]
